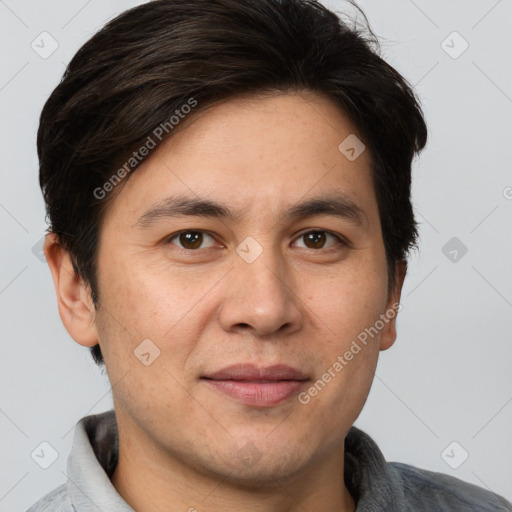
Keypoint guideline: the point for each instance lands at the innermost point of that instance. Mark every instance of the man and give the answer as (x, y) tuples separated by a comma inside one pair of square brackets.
[(228, 185)]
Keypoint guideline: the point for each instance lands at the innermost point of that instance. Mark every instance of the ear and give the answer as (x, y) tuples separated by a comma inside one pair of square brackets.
[(76, 307), (388, 333)]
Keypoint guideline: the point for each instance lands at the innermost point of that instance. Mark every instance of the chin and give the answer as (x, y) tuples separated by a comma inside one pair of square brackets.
[(262, 461), (263, 472)]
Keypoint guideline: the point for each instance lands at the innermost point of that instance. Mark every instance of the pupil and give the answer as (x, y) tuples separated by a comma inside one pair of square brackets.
[(317, 238), (191, 239)]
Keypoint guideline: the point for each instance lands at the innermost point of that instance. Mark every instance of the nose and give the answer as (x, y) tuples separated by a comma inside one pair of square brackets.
[(259, 297)]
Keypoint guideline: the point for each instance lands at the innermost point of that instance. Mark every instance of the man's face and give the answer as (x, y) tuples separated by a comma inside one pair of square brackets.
[(263, 288)]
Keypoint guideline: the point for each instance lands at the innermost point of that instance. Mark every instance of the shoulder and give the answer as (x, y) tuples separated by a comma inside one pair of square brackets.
[(57, 500), (428, 490)]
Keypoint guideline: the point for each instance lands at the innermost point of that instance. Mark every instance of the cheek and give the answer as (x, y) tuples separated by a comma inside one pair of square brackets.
[(149, 301), (168, 307), (349, 301), (146, 341), (347, 347)]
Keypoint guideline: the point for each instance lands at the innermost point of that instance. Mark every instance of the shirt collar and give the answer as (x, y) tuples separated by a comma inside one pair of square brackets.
[(368, 477), (91, 464)]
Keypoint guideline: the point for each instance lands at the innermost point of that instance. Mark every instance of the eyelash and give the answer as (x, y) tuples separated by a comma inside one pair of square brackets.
[(340, 240)]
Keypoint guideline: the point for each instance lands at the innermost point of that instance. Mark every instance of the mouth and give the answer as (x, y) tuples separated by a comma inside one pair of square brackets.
[(257, 386)]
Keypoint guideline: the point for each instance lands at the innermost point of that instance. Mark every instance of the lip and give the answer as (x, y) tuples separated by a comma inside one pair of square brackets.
[(257, 386), (252, 372)]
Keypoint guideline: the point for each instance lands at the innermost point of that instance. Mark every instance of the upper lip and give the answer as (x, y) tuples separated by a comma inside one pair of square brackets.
[(252, 372)]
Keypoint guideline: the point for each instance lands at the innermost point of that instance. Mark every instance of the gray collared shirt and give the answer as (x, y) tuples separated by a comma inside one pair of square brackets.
[(375, 484)]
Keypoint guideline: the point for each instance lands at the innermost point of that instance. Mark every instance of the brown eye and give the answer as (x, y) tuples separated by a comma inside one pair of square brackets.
[(317, 239), (190, 239)]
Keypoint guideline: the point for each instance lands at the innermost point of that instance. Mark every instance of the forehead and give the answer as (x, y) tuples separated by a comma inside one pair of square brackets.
[(253, 154)]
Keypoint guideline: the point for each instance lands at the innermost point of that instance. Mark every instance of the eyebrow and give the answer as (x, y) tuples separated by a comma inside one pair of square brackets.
[(339, 205)]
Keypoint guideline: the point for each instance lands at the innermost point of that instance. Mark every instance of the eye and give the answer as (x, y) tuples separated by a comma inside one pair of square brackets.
[(190, 239), (316, 239), (313, 239)]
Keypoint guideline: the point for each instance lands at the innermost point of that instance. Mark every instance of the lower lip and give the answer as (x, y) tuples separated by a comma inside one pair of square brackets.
[(258, 394)]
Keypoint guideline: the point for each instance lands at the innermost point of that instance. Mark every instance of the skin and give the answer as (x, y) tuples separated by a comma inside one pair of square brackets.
[(300, 305)]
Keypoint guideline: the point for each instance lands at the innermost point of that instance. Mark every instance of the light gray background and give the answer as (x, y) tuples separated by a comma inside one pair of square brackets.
[(447, 378)]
